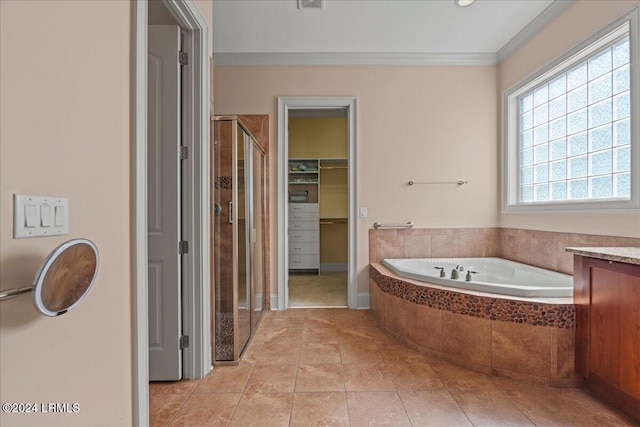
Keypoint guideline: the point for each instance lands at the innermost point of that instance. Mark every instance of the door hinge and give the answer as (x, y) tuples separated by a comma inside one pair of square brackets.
[(183, 57), (183, 247), (183, 152), (184, 341)]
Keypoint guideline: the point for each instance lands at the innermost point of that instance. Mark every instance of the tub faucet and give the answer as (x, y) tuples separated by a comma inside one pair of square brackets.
[(469, 273), (455, 273), (441, 271)]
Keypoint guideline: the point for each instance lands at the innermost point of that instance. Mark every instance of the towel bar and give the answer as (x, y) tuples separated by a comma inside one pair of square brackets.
[(439, 182), (378, 225)]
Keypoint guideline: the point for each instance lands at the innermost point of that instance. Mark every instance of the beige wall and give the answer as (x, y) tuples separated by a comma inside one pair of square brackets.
[(65, 131), (408, 129), (579, 22)]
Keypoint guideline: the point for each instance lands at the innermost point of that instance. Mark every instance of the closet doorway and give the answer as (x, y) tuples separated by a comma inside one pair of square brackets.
[(318, 189), (318, 202)]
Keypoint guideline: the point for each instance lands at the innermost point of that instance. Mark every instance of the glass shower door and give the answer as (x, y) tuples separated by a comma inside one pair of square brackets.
[(223, 261), (231, 269), (239, 226), (243, 286), (258, 226)]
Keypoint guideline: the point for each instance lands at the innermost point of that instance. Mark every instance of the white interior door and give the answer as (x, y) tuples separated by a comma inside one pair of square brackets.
[(164, 206)]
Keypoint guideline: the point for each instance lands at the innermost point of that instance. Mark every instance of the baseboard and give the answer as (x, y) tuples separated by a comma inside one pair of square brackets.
[(333, 267), (274, 302), (363, 301)]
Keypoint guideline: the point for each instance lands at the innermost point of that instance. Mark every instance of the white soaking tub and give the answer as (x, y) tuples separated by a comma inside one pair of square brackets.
[(494, 275)]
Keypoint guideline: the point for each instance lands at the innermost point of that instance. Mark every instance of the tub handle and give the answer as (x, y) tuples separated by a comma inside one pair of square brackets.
[(469, 273), (441, 271)]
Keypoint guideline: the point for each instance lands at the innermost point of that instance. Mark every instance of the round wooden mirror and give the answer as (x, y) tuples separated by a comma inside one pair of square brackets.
[(65, 277)]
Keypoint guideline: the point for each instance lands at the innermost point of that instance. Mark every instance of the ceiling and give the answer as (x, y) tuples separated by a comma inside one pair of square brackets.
[(375, 31)]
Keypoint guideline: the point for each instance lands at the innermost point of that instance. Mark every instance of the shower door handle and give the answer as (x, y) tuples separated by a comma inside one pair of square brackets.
[(230, 212)]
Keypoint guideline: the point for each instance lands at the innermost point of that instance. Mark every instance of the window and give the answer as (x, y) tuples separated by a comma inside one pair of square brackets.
[(568, 131)]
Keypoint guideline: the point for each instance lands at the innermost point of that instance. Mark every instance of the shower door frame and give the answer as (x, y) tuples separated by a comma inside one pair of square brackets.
[(286, 103), (248, 145)]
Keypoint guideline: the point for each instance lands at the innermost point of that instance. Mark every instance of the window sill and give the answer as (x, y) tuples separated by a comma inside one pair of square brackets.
[(613, 206)]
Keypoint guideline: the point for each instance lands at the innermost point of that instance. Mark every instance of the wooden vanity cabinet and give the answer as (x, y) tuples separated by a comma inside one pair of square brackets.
[(607, 300)]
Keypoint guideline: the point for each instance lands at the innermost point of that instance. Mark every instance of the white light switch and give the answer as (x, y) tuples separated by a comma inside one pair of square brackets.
[(363, 212), (46, 220), (37, 216), (59, 218), (30, 216)]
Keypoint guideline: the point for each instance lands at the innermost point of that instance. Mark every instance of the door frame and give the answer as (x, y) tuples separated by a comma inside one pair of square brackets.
[(286, 103), (196, 217)]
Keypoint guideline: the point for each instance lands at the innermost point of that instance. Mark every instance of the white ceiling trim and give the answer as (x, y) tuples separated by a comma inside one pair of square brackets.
[(547, 16), (364, 58)]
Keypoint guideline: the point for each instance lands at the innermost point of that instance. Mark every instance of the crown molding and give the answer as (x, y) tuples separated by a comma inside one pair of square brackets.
[(361, 58), (547, 16)]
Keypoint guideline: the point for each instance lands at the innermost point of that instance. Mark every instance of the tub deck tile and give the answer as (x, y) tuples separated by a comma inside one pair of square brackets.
[(474, 304)]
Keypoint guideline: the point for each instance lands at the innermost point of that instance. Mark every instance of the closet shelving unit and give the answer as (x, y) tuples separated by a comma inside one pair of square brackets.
[(317, 197)]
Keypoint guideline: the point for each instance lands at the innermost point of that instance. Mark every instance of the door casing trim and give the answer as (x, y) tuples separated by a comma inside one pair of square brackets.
[(286, 103), (196, 229)]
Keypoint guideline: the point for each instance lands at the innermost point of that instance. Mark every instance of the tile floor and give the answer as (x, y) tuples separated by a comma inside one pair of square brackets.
[(313, 290), (335, 367)]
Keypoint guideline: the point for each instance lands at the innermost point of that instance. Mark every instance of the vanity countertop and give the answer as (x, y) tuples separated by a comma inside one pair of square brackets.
[(629, 255)]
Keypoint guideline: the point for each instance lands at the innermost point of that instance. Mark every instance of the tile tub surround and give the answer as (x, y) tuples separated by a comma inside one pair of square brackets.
[(547, 249), (529, 340), (544, 249)]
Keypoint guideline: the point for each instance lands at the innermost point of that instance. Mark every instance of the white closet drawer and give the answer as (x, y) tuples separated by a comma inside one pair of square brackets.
[(304, 225), (303, 216), (304, 248), (304, 261), (303, 207), (304, 236)]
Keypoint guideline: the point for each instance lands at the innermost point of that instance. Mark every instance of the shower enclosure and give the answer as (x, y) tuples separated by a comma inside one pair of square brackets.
[(239, 210)]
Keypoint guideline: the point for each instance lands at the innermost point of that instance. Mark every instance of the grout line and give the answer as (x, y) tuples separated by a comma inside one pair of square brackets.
[(518, 407), (461, 408), (406, 414), (177, 412), (235, 408)]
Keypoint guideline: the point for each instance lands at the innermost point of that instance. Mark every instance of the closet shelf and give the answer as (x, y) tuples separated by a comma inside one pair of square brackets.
[(331, 221)]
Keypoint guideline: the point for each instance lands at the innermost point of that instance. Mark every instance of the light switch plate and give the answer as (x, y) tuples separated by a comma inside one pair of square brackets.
[(363, 212), (44, 226)]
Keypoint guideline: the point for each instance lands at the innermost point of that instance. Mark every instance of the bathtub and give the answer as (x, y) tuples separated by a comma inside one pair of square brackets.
[(529, 339), (494, 275)]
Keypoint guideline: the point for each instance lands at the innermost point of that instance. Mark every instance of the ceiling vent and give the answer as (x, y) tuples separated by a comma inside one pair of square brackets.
[(311, 4)]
